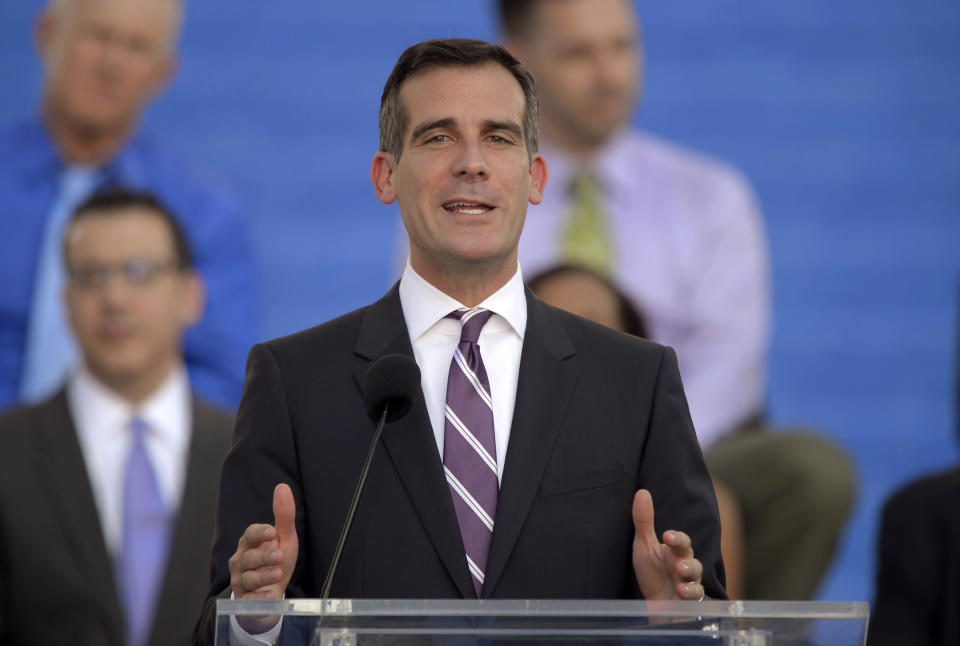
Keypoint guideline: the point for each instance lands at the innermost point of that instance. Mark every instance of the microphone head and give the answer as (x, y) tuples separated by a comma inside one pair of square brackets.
[(393, 379)]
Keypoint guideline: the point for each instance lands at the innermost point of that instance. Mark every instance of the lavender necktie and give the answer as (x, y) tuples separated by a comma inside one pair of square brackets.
[(469, 447), (146, 539)]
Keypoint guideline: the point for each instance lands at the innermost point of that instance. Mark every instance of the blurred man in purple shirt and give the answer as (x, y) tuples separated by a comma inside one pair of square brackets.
[(682, 234)]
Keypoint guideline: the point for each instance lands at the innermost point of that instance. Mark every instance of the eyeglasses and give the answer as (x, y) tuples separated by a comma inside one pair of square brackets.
[(138, 272)]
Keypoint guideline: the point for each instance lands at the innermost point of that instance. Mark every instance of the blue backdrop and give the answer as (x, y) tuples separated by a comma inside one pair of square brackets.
[(844, 115)]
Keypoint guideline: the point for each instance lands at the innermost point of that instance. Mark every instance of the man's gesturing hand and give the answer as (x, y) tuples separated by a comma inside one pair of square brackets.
[(266, 554), (665, 570)]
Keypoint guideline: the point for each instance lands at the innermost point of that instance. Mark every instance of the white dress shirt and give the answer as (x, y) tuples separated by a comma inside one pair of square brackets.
[(690, 252), (435, 337), (102, 419)]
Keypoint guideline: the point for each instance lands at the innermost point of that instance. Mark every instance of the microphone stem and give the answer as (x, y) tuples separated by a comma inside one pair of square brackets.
[(353, 505)]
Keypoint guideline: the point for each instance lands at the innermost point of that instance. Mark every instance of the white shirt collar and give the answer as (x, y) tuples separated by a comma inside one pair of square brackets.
[(102, 420), (424, 305), (166, 411)]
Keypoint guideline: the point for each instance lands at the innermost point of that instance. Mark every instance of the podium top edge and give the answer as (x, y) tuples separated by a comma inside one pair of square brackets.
[(547, 608)]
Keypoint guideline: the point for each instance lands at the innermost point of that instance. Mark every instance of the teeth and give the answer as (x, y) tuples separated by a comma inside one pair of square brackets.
[(469, 208)]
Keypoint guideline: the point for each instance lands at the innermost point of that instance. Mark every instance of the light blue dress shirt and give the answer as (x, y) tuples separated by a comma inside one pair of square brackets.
[(216, 348)]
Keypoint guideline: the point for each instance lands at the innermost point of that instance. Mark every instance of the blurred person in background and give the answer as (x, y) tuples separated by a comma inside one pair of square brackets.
[(918, 565), (918, 559), (104, 61), (682, 235), (108, 489)]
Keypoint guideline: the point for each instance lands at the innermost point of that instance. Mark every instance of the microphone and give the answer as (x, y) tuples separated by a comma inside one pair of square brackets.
[(391, 387)]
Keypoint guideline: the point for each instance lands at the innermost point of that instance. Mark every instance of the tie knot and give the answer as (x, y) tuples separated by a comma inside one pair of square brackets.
[(471, 322), (139, 428), (584, 184), (78, 180)]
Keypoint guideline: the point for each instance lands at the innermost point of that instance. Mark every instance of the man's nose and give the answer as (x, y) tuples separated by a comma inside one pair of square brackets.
[(112, 54), (115, 288), (471, 162), (610, 65)]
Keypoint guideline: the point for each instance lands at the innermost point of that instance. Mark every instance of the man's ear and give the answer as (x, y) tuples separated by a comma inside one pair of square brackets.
[(43, 31), (165, 70), (538, 178), (381, 174), (194, 298)]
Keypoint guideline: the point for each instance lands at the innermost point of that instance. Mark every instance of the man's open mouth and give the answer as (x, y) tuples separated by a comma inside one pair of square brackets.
[(467, 208)]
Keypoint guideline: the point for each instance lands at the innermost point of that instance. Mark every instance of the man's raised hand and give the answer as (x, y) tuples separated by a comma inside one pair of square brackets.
[(266, 555), (665, 570)]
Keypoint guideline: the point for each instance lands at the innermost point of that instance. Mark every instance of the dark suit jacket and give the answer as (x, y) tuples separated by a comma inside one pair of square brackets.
[(917, 597), (598, 415), (56, 576)]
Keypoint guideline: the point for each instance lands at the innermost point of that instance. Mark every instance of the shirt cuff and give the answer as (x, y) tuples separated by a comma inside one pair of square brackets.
[(241, 637)]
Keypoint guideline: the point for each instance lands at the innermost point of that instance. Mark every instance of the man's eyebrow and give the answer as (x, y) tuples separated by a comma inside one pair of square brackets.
[(426, 127), (508, 126)]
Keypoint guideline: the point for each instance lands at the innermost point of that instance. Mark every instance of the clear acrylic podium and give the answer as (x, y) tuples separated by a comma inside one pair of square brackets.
[(346, 622)]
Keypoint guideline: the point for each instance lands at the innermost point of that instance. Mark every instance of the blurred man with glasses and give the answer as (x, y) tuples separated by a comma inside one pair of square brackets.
[(108, 489)]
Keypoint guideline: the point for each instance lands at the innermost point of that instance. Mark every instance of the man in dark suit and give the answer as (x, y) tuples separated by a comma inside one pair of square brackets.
[(544, 425), (108, 489)]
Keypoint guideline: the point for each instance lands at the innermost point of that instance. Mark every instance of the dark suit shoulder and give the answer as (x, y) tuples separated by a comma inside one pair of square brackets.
[(327, 349), (212, 431), (20, 441), (19, 425), (13, 420), (334, 332), (930, 497), (300, 363), (210, 417), (607, 342)]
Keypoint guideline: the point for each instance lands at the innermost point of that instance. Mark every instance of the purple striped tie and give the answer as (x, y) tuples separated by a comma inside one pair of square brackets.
[(469, 447)]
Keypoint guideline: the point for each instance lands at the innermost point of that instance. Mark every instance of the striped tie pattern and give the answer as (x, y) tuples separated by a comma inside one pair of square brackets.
[(469, 446)]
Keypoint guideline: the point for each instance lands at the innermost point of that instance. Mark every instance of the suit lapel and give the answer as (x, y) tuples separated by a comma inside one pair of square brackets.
[(179, 591), (410, 443), (544, 385), (68, 486)]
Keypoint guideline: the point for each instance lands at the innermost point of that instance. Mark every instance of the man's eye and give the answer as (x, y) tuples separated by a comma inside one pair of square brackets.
[(140, 46), (139, 271), (99, 35), (437, 139), (575, 54), (499, 139)]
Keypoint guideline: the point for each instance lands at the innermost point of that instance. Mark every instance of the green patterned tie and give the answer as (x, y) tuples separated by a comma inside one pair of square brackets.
[(586, 240)]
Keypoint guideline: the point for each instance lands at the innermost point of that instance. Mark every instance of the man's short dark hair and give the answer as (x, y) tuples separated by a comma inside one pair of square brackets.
[(115, 199), (515, 16), (630, 317), (451, 52)]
